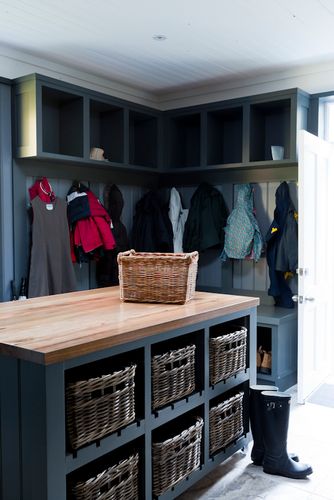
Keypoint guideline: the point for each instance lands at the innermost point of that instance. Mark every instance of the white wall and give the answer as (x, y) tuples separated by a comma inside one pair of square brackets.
[(313, 79), (14, 64)]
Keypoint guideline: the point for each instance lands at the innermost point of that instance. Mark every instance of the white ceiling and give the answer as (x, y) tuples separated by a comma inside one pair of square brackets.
[(208, 41)]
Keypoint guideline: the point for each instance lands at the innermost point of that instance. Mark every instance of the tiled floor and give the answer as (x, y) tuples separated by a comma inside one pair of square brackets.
[(310, 435)]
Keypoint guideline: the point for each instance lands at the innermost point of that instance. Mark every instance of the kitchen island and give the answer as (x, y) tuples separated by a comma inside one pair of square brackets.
[(47, 342)]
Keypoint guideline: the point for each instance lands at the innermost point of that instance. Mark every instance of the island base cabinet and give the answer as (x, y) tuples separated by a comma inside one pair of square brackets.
[(160, 451)]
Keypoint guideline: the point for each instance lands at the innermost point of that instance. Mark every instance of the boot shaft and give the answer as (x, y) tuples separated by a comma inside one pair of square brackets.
[(276, 413)]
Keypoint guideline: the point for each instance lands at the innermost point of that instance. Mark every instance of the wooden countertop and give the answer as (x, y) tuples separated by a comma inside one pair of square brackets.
[(51, 329)]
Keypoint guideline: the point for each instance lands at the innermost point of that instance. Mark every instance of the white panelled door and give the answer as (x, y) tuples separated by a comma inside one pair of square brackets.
[(316, 255)]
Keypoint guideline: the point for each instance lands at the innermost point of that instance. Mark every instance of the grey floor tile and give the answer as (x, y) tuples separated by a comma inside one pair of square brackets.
[(309, 436)]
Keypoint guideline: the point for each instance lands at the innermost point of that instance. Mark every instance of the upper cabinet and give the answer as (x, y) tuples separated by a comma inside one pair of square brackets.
[(59, 121), (224, 136), (236, 133), (183, 140), (107, 129)]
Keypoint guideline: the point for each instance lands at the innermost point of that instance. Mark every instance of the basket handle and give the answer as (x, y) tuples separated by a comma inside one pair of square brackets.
[(189, 257), (193, 256), (125, 254)]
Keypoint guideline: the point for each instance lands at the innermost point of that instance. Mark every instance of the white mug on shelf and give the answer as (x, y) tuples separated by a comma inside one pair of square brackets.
[(277, 152)]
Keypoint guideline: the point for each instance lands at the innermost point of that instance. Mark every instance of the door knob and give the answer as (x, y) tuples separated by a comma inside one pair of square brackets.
[(301, 299)]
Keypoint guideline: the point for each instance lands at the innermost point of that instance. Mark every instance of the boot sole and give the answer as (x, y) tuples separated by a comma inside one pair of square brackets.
[(290, 475)]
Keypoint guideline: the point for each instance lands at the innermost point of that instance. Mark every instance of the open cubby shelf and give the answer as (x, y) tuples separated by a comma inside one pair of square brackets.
[(224, 136), (269, 126), (107, 129), (64, 121)]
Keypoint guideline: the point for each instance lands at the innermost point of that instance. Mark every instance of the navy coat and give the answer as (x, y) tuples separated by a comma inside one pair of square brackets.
[(282, 247)]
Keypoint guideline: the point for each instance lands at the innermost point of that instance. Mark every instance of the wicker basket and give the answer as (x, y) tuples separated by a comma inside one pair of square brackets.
[(118, 481), (226, 422), (176, 458), (157, 277), (98, 406), (173, 375), (228, 354)]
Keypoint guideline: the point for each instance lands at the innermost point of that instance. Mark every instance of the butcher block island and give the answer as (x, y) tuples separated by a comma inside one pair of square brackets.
[(118, 399)]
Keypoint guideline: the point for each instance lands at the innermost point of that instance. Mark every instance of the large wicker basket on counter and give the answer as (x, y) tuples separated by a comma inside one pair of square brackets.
[(157, 277), (98, 406), (228, 354), (226, 422), (177, 457), (115, 482)]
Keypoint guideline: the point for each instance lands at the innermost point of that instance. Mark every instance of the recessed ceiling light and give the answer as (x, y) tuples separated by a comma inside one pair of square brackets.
[(159, 38)]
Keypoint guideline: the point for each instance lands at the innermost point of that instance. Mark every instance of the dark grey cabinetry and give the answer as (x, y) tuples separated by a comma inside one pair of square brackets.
[(236, 133), (224, 136), (62, 122), (270, 125), (59, 121), (277, 333), (107, 129), (37, 461), (183, 140)]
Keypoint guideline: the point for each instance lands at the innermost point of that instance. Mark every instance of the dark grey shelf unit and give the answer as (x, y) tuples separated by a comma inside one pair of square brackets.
[(269, 125), (143, 139), (62, 122), (235, 133), (107, 129), (184, 140), (224, 136), (277, 331)]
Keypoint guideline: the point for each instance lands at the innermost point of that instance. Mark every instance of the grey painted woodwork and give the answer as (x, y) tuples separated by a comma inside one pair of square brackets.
[(6, 190), (35, 462), (277, 332), (225, 143)]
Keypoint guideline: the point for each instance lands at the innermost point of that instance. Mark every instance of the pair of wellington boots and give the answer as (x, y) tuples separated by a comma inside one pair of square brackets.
[(269, 412)]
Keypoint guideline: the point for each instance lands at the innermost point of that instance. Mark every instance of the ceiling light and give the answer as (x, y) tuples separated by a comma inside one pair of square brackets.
[(159, 38)]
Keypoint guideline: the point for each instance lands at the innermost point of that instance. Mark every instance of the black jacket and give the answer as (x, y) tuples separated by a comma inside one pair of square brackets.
[(282, 247), (206, 220), (152, 229)]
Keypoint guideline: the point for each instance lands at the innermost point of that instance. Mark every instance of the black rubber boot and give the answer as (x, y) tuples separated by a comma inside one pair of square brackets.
[(276, 412), (256, 422)]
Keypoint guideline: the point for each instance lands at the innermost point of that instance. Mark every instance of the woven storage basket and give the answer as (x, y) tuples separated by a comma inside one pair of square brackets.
[(173, 375), (115, 483), (157, 277), (176, 458), (228, 354), (98, 406), (226, 422)]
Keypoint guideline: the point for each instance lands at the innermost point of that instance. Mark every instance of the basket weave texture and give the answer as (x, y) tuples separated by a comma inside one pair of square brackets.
[(157, 277), (228, 354), (176, 458), (173, 375), (226, 422), (114, 483), (100, 405)]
